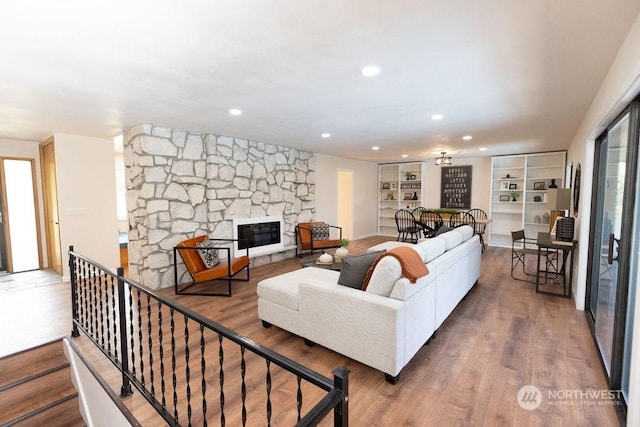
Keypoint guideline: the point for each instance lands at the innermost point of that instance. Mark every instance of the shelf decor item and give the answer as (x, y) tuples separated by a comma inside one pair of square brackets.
[(504, 198), (552, 184), (536, 219), (514, 196), (537, 199), (504, 185), (538, 185), (513, 186), (385, 185)]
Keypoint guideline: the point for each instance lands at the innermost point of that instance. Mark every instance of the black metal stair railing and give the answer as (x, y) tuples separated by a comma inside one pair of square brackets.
[(190, 369)]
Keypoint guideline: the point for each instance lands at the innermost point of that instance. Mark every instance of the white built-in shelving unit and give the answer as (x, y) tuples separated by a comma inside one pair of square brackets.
[(395, 182), (529, 175)]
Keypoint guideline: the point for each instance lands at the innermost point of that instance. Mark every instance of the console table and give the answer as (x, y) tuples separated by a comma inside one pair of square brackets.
[(548, 242)]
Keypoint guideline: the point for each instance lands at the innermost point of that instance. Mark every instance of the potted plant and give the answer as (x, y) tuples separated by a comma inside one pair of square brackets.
[(343, 250), (514, 196), (408, 175)]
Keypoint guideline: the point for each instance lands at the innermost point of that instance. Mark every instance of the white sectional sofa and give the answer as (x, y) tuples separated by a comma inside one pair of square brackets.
[(384, 326)]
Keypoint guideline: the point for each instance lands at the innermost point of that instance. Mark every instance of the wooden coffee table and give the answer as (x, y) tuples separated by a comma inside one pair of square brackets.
[(310, 261)]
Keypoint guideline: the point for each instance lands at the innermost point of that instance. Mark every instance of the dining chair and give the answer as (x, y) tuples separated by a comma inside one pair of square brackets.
[(407, 227), (430, 221), (480, 227), (459, 219)]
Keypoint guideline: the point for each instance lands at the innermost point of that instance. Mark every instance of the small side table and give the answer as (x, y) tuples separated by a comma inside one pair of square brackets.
[(546, 241)]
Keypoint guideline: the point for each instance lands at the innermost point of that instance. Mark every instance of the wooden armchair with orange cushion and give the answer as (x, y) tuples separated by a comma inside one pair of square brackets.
[(311, 236), (201, 257)]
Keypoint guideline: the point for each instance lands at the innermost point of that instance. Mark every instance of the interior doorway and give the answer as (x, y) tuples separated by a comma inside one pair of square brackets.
[(345, 202), (50, 192), (20, 234)]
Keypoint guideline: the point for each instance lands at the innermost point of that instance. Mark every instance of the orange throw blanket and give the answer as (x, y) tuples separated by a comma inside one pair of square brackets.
[(412, 265)]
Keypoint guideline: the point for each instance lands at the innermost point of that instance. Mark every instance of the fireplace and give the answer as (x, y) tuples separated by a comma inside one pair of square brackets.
[(263, 235)]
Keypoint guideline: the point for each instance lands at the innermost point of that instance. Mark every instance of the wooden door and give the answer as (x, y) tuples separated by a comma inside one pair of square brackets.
[(50, 189)]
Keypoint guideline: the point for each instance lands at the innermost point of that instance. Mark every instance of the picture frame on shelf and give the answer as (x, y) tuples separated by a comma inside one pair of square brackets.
[(513, 186), (408, 196), (504, 198), (393, 185), (385, 185), (539, 185), (504, 185), (413, 177)]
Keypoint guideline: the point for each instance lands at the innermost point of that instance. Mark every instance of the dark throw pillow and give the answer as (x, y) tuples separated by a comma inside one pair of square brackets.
[(208, 255), (320, 231), (444, 229), (355, 267)]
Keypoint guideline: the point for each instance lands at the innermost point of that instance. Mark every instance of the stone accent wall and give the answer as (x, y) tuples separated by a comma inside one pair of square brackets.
[(182, 184)]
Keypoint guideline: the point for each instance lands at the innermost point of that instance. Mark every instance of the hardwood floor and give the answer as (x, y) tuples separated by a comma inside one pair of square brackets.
[(501, 337), (34, 309)]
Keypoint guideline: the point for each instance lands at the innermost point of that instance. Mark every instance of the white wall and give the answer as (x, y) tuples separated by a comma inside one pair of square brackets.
[(87, 198), (29, 150), (619, 87), (365, 189)]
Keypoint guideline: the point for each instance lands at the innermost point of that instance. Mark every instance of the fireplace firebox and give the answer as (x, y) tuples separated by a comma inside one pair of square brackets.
[(262, 235)]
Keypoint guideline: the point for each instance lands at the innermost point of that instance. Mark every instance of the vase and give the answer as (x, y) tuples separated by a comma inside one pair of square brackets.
[(341, 252), (552, 184)]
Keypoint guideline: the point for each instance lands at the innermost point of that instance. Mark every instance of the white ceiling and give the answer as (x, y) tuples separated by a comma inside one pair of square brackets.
[(518, 75)]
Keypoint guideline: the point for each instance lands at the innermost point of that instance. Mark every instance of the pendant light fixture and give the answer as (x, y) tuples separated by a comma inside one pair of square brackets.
[(444, 160)]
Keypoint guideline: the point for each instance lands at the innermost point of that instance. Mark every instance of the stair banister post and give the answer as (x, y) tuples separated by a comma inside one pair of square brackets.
[(125, 390), (74, 293)]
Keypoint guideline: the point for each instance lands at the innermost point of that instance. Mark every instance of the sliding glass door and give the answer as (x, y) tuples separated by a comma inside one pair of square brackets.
[(612, 248)]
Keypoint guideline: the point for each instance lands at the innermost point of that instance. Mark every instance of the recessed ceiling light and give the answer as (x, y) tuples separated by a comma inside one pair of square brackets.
[(483, 149), (235, 111), (467, 137), (325, 135), (437, 116), (371, 70), (374, 148), (404, 156)]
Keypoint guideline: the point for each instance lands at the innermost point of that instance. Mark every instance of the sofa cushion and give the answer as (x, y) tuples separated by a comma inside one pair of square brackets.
[(283, 289), (384, 277), (432, 248), (355, 267), (208, 255), (388, 245), (466, 231), (452, 238)]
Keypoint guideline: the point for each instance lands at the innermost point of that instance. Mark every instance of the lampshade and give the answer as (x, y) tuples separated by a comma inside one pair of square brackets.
[(443, 160), (560, 199), (559, 203), (563, 199)]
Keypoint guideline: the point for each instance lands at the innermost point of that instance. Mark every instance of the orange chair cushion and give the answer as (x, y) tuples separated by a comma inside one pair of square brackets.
[(191, 257), (199, 271), (304, 237)]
